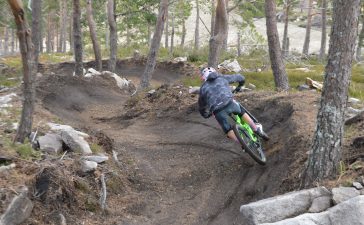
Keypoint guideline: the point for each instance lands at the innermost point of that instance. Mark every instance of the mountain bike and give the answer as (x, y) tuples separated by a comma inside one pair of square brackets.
[(250, 142)]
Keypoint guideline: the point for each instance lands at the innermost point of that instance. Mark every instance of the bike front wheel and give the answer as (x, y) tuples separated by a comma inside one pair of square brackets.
[(253, 148)]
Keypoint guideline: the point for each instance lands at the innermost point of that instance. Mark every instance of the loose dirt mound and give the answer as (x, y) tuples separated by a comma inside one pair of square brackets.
[(180, 168)]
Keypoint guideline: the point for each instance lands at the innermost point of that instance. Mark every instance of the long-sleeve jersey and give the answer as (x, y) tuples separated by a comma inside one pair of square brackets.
[(215, 92)]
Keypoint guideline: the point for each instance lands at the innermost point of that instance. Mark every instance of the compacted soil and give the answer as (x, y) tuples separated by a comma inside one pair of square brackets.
[(177, 167)]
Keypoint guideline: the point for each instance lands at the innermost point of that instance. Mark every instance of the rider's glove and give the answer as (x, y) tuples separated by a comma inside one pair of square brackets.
[(237, 89)]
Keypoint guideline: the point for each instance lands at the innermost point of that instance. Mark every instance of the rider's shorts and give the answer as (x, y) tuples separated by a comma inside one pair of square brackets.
[(222, 115)]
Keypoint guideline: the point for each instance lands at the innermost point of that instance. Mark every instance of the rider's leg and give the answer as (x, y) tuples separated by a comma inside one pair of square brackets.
[(230, 134), (249, 121)]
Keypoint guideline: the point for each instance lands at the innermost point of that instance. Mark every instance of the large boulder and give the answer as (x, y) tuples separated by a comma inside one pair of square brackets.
[(50, 143), (281, 207), (18, 210)]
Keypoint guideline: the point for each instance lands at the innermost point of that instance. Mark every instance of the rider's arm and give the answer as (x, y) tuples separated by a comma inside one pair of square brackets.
[(203, 108), (235, 78)]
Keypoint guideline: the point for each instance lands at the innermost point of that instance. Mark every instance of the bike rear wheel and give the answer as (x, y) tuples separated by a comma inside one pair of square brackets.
[(253, 148)]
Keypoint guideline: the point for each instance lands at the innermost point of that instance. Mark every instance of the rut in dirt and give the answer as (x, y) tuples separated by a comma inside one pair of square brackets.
[(180, 166)]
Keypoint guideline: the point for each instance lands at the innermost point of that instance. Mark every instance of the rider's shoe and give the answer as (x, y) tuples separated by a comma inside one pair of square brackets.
[(261, 133)]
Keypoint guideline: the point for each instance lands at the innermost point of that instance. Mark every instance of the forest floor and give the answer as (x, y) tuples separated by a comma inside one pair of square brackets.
[(175, 166)]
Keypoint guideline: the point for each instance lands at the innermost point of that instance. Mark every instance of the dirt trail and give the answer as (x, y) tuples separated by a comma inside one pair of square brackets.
[(181, 168)]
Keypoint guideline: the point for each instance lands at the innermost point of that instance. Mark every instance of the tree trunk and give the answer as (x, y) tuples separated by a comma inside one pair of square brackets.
[(36, 26), (71, 41), (217, 40), (6, 40), (93, 34), (166, 31), (275, 53), (306, 44), (325, 154), (154, 47), (62, 25), (323, 31), (113, 34), (183, 38), (41, 36), (12, 41), (225, 43), (77, 36), (360, 41), (49, 36), (172, 35), (285, 33), (213, 11), (197, 28), (26, 49)]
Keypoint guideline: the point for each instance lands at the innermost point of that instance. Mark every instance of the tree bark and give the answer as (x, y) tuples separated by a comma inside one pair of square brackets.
[(166, 31), (36, 26), (12, 41), (323, 31), (275, 53), (225, 43), (77, 36), (239, 45), (197, 28), (217, 40), (183, 38), (360, 41), (113, 34), (26, 49), (49, 36), (71, 32), (157, 36), (93, 34), (62, 25), (213, 11), (172, 35), (306, 44), (325, 154), (285, 33), (6, 40)]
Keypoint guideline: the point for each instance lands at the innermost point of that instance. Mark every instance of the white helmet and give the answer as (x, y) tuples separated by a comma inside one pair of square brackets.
[(206, 72)]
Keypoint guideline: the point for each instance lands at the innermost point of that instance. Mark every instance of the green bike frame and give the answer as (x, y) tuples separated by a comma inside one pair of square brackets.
[(246, 127)]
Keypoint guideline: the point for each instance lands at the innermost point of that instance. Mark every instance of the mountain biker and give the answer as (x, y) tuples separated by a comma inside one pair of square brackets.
[(216, 99)]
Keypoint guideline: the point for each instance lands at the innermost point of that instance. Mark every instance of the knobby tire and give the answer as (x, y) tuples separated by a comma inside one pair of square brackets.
[(254, 151)]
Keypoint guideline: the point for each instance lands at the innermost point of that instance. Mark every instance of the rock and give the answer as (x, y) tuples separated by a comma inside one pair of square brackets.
[(7, 168), (59, 127), (75, 142), (342, 194), (151, 92), (50, 143), (4, 89), (352, 110), (320, 204), (88, 166), (353, 100), (355, 119), (4, 100), (230, 65), (303, 87), (19, 209), (180, 59), (251, 86), (358, 185), (122, 83), (275, 209), (194, 90), (95, 158), (93, 72), (358, 142)]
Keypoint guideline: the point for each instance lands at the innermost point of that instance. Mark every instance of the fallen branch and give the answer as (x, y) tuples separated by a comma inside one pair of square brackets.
[(103, 192), (115, 157)]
